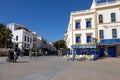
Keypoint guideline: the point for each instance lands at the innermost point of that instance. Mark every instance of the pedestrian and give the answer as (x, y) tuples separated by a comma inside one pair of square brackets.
[(21, 52), (46, 53), (10, 56), (15, 56), (30, 54), (36, 53)]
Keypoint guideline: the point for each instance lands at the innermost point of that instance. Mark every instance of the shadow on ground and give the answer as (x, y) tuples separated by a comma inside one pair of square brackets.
[(22, 62)]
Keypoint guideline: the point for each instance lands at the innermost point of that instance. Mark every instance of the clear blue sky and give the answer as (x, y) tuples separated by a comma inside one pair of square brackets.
[(49, 18)]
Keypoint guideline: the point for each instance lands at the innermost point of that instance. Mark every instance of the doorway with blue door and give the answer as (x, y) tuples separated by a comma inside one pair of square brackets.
[(102, 49), (112, 51), (107, 51)]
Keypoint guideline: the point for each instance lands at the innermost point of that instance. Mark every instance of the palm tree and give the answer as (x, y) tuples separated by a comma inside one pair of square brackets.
[(1, 33), (5, 35)]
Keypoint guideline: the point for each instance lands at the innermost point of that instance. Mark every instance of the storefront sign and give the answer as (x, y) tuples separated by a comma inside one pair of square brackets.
[(110, 41), (75, 46), (111, 26)]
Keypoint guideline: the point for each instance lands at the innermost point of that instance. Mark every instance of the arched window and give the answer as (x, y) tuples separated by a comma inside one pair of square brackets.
[(101, 33), (113, 18), (100, 18), (114, 33)]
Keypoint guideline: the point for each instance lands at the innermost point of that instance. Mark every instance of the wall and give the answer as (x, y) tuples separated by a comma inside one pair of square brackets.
[(107, 25)]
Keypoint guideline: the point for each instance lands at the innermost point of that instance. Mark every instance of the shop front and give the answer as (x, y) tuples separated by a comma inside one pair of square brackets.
[(109, 47), (84, 49)]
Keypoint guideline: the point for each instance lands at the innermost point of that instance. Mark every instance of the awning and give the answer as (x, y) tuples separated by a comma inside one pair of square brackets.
[(108, 44), (108, 41), (76, 46)]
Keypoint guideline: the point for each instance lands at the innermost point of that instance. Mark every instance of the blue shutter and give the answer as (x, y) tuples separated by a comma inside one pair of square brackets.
[(77, 39), (77, 25), (114, 33), (101, 34), (89, 39), (113, 19), (88, 24)]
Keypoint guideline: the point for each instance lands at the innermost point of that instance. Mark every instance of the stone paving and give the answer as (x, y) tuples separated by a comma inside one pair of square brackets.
[(57, 68)]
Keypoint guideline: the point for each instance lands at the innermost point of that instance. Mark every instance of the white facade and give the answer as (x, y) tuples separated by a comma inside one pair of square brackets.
[(81, 17), (26, 39), (107, 25), (42, 43), (68, 36), (21, 36), (91, 18), (83, 31)]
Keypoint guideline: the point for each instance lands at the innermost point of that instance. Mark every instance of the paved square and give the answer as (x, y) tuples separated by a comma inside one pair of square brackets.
[(57, 68)]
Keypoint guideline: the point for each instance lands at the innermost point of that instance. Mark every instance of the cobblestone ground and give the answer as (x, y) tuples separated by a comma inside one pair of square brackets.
[(57, 68)]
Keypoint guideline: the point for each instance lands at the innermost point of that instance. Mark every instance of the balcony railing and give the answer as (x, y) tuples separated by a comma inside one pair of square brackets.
[(108, 3), (81, 11)]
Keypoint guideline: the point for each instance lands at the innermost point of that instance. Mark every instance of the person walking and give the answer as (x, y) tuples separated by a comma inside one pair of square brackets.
[(46, 53), (36, 53), (30, 54), (15, 56)]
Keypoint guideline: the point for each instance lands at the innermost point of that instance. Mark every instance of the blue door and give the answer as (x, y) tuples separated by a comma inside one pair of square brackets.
[(102, 52), (112, 51)]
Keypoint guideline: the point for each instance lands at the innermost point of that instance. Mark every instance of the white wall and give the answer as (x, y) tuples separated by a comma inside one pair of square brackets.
[(107, 22), (18, 33), (83, 31), (81, 16)]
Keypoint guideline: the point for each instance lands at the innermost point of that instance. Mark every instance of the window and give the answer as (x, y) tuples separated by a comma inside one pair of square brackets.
[(25, 45), (100, 18), (28, 39), (101, 34), (28, 46), (25, 38), (89, 38), (88, 24), (114, 33), (16, 38), (78, 39), (113, 18), (77, 25)]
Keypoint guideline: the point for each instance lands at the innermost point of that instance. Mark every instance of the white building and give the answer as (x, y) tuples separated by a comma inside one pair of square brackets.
[(35, 41), (109, 27), (44, 45), (22, 37), (51, 47), (99, 24)]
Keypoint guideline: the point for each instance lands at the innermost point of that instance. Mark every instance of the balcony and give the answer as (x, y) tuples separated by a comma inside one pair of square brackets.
[(82, 11), (108, 3)]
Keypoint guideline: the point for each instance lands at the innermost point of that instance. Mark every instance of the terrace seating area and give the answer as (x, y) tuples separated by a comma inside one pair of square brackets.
[(82, 54), (82, 57)]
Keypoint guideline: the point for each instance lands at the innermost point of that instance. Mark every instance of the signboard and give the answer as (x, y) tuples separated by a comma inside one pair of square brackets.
[(110, 41), (108, 26)]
